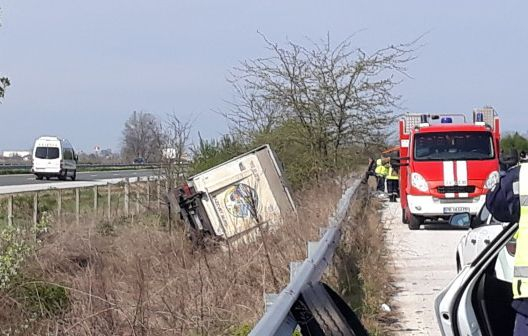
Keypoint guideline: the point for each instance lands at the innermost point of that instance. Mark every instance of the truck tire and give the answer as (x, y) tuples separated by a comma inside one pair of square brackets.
[(39, 177), (415, 222), (404, 218)]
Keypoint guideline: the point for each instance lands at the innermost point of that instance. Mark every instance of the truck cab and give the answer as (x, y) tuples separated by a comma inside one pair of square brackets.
[(447, 164)]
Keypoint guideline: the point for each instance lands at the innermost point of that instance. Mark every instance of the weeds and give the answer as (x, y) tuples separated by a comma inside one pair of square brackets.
[(361, 271)]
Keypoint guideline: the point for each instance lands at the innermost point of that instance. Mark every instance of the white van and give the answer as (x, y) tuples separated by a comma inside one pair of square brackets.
[(54, 157)]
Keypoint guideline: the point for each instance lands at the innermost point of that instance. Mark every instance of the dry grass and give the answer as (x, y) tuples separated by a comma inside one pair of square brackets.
[(361, 272), (134, 278)]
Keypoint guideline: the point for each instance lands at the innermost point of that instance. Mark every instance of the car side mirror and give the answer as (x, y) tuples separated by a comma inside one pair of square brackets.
[(460, 220), (76, 157)]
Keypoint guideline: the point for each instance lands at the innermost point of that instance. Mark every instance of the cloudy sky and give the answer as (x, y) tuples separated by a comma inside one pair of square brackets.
[(79, 68)]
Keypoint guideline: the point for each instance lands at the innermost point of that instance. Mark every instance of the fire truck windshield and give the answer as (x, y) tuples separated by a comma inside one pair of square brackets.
[(441, 146)]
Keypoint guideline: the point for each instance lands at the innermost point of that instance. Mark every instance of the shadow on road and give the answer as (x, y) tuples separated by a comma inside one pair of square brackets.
[(440, 226)]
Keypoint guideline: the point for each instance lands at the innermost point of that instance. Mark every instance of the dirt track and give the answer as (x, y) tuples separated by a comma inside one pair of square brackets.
[(424, 264)]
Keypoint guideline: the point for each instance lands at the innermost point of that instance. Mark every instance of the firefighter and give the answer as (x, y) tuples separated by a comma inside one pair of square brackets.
[(503, 202), (393, 183), (381, 172)]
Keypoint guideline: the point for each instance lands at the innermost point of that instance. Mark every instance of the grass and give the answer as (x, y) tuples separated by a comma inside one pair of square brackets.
[(130, 276), (361, 272)]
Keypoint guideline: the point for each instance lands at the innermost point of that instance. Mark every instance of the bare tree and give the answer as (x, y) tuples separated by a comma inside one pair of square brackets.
[(339, 95), (140, 137), (174, 143), (4, 83)]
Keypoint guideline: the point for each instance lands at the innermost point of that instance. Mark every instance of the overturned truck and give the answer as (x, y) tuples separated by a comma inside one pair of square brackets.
[(231, 200)]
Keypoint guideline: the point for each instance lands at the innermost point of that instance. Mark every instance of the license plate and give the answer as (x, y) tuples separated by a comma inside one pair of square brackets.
[(451, 210)]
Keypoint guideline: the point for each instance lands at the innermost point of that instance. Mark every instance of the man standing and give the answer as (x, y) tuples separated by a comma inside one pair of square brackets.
[(381, 172), (393, 183)]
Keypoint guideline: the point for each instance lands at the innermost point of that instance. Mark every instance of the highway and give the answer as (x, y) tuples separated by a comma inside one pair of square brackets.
[(27, 179)]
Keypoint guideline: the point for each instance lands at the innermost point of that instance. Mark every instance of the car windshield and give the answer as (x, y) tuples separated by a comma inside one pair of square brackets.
[(441, 146), (48, 153)]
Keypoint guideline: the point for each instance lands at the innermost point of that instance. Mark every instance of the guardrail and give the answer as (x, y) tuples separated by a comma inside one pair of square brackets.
[(306, 302), (118, 197), (87, 165)]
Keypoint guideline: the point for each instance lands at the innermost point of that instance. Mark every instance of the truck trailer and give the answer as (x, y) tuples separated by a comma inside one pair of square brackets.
[(233, 199)]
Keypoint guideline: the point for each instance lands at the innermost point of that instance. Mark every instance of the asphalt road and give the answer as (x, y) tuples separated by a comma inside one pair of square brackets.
[(25, 179), (424, 263)]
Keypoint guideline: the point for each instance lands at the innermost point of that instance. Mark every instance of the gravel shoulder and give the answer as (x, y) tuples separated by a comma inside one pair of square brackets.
[(424, 263)]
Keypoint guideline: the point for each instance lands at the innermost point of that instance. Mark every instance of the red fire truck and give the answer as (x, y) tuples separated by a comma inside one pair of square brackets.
[(447, 164)]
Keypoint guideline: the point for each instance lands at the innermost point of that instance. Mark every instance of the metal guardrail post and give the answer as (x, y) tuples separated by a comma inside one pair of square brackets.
[(77, 205), (148, 191), (95, 200), (158, 190), (10, 210), (35, 213), (59, 205), (138, 203), (109, 201), (127, 197)]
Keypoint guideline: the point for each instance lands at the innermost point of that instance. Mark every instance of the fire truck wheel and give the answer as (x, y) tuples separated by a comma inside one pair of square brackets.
[(415, 222), (404, 218)]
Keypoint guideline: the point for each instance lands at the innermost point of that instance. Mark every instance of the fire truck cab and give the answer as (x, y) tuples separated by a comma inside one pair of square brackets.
[(447, 164)]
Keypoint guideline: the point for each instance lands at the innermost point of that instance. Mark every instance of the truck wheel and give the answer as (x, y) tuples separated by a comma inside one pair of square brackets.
[(38, 177), (415, 222), (74, 175)]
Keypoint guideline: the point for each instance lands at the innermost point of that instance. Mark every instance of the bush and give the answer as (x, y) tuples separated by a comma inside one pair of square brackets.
[(42, 299)]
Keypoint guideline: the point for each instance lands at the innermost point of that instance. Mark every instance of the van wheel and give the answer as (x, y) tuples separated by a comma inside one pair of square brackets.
[(74, 175), (38, 177), (415, 222), (63, 175)]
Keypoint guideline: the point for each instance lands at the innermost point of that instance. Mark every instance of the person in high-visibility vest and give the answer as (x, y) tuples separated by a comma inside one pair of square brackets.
[(393, 177), (508, 202), (381, 172)]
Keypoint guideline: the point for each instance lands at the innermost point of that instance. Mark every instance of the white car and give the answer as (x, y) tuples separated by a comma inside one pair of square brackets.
[(482, 230), (478, 300)]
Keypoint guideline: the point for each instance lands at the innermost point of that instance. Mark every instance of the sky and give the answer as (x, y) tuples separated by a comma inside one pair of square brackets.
[(79, 68)]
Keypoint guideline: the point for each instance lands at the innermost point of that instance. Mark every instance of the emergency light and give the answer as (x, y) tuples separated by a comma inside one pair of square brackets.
[(446, 120), (480, 117)]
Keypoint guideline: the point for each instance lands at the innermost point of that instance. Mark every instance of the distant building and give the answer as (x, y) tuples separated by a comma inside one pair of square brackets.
[(106, 152)]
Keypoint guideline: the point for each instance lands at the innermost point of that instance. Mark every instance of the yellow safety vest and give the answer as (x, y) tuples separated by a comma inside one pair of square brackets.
[(379, 167), (392, 174), (520, 269)]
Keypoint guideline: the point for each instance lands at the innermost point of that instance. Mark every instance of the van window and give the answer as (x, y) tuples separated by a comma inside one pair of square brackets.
[(68, 154), (48, 153)]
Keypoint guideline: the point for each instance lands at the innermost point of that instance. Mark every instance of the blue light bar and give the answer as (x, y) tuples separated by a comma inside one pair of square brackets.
[(480, 117), (446, 120)]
